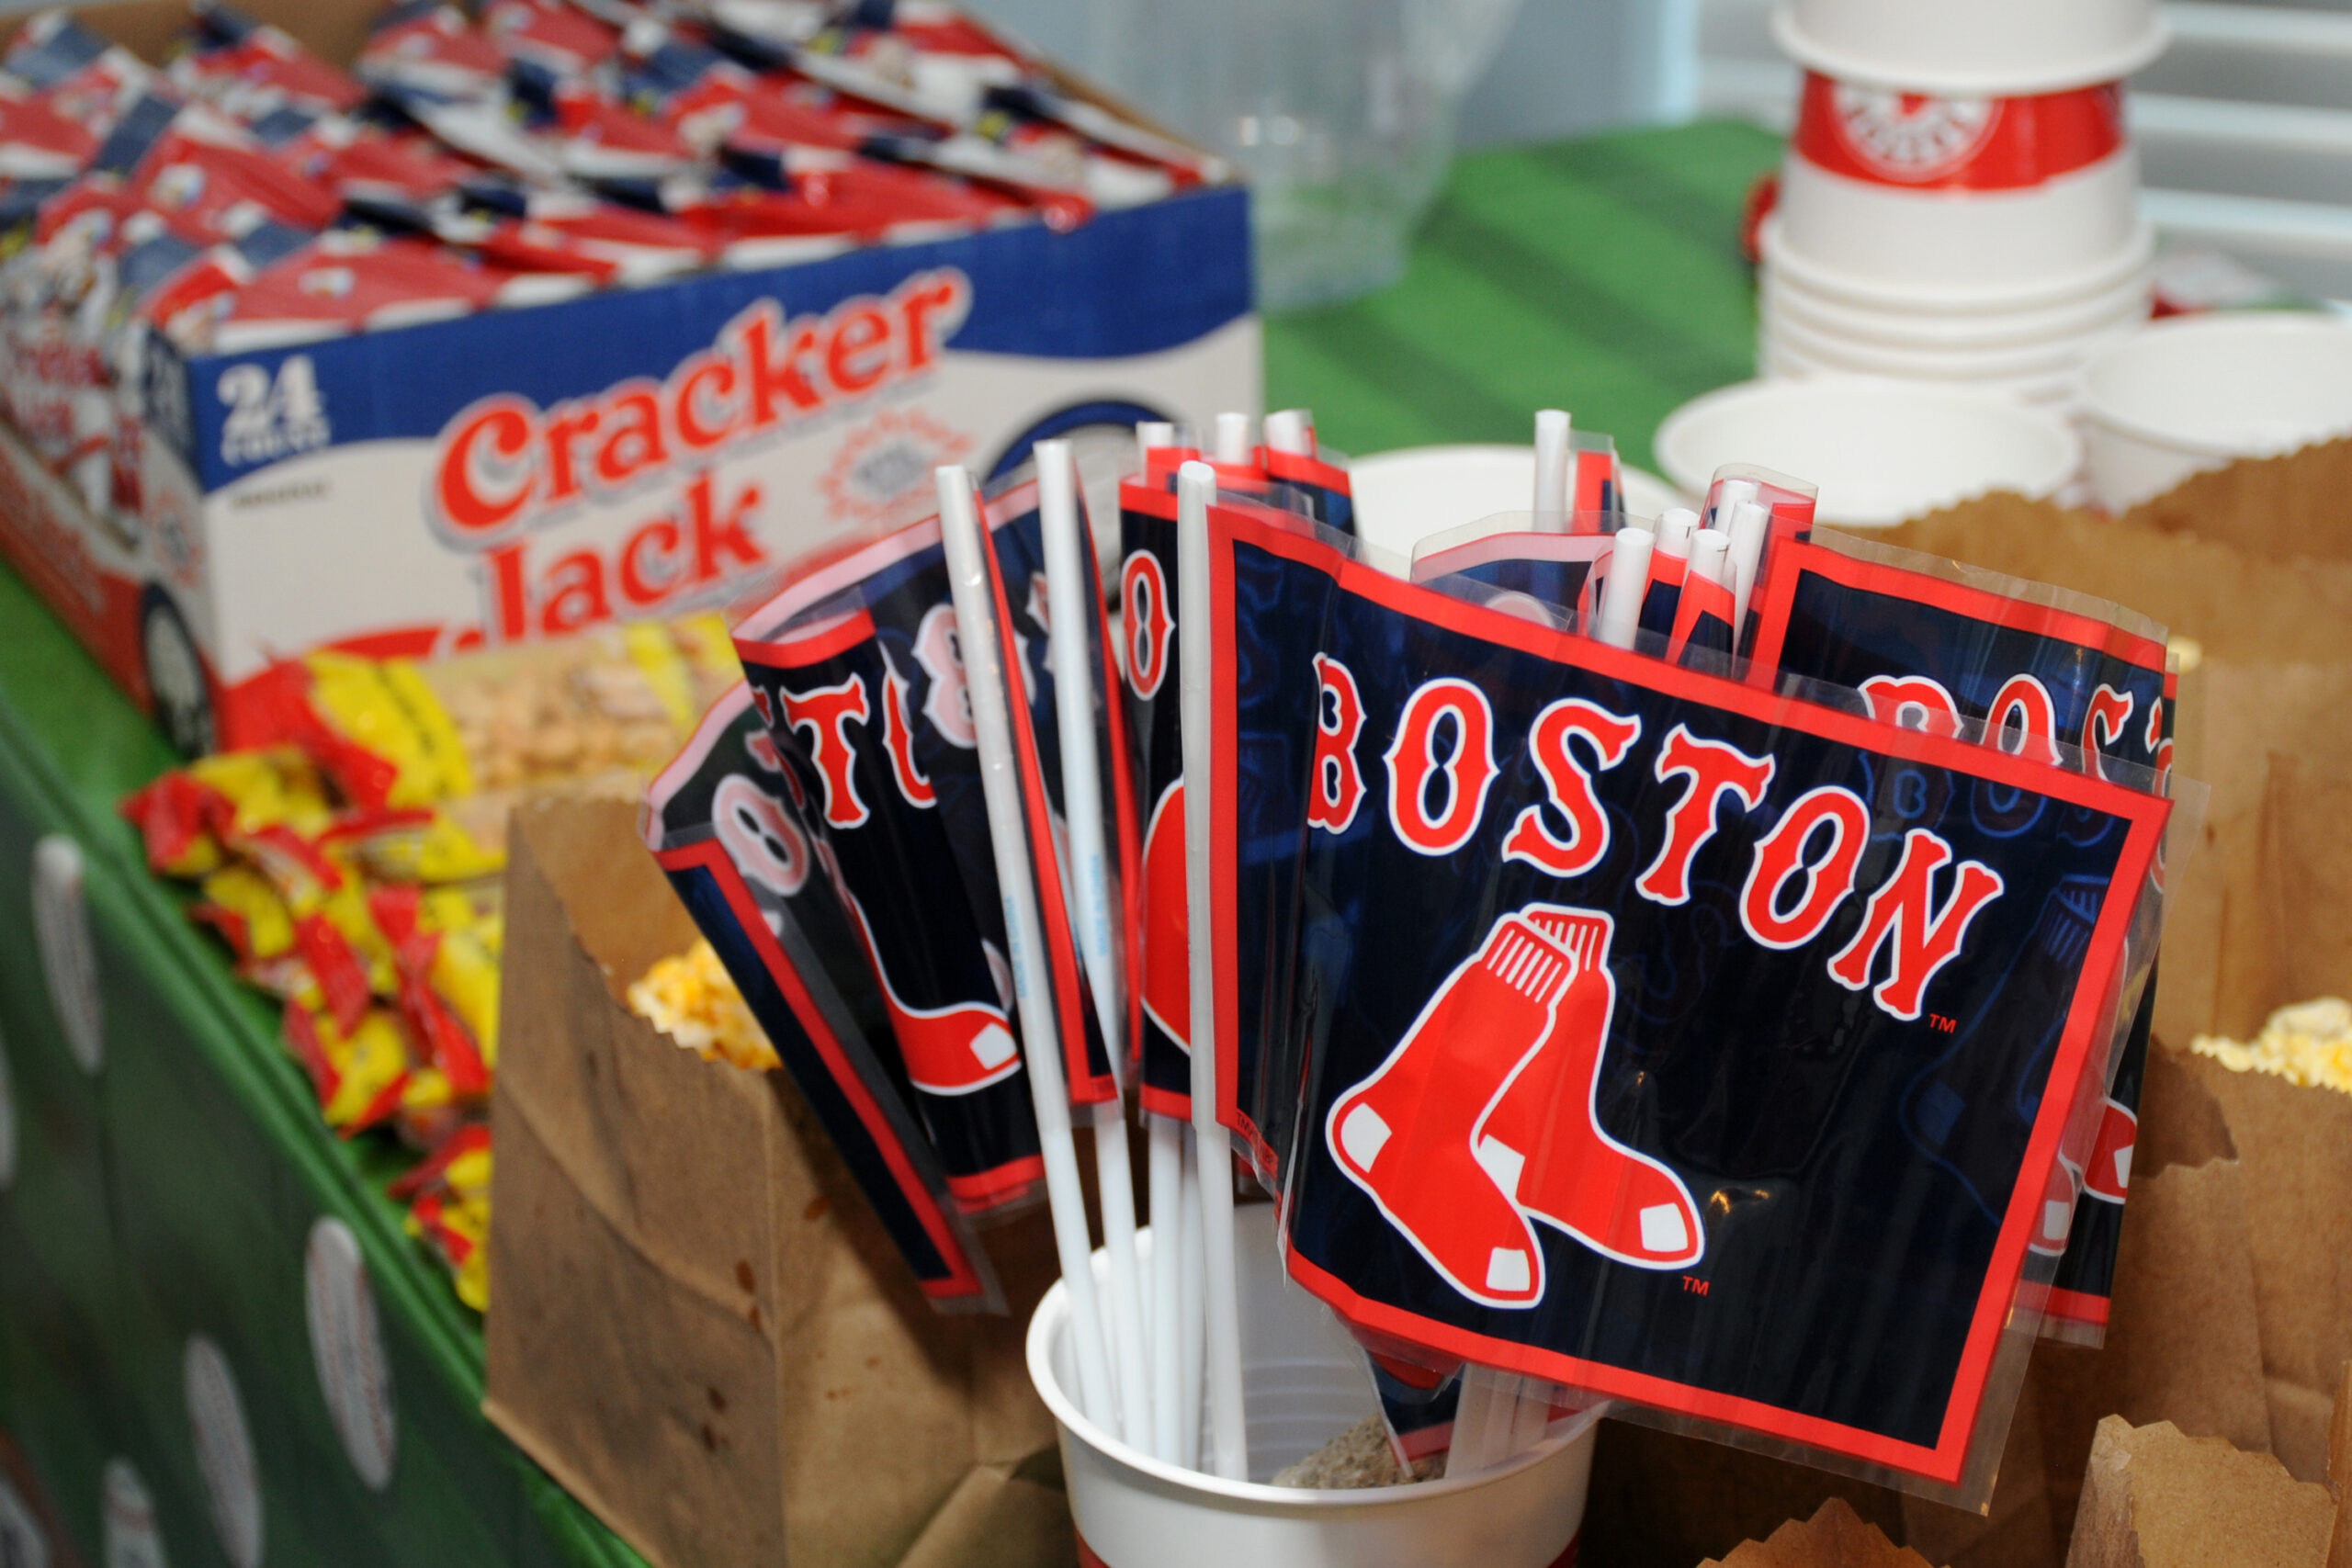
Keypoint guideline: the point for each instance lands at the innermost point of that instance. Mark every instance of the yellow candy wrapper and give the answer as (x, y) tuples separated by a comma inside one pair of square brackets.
[(448, 1199), (244, 907), (188, 819), (358, 1077)]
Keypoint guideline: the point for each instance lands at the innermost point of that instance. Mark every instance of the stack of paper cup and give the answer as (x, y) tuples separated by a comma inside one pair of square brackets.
[(1960, 201)]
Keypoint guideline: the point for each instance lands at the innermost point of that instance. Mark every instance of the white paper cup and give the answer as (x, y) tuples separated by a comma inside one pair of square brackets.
[(1306, 1384), (2056, 393), (1961, 240), (1987, 47), (1995, 363), (1973, 296), (2201, 392), (1782, 296), (1408, 495), (1881, 450)]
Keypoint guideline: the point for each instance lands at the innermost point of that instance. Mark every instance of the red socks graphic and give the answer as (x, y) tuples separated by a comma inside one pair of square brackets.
[(1545, 1127), (1403, 1135), (1481, 1120), (948, 1050)]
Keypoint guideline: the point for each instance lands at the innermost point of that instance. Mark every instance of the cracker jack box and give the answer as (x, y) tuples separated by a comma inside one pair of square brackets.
[(527, 470)]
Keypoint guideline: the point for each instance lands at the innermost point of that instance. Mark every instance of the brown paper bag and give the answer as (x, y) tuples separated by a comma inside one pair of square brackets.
[(2295, 1142), (1836, 1537), (2155, 1498), (2283, 508), (697, 1326)]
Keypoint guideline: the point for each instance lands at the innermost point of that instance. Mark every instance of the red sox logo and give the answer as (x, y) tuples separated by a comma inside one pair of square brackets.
[(1481, 1123), (1906, 138)]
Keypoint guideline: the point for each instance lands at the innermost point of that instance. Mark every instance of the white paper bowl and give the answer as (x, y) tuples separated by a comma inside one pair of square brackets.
[(1983, 48), (1881, 450), (1910, 295), (2201, 392), (1961, 240), (1405, 496)]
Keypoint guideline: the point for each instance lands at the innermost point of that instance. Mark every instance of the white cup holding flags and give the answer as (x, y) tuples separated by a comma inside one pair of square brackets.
[(1306, 1384)]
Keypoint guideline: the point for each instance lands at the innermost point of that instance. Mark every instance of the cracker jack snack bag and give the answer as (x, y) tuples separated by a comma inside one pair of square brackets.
[(1644, 1033), (400, 733)]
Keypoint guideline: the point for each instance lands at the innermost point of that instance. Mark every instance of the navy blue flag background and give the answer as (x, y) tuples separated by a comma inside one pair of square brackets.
[(1631, 1028), (2043, 666)]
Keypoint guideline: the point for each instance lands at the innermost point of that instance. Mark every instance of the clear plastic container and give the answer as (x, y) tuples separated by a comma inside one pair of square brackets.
[(1341, 112)]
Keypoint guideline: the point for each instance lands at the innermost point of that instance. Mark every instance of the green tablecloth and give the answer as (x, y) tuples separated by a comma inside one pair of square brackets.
[(1601, 276), (170, 1195)]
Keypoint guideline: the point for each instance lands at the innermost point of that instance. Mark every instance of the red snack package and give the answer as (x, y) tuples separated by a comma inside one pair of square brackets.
[(431, 48), (37, 142), (248, 69), (557, 37), (346, 282), (206, 176)]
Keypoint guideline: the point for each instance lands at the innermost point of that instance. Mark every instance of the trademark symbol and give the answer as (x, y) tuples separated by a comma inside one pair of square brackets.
[(1938, 1021), (1693, 1286)]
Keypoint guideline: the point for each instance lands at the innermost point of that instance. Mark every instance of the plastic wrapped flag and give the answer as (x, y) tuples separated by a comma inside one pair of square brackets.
[(863, 694), (726, 822), (1642, 1032)]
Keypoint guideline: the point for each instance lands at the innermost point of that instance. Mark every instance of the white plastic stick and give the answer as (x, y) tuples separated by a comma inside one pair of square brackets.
[(1068, 587), (1229, 1425), (1291, 431), (1467, 1450), (1708, 548), (1168, 1251), (1675, 527), (1554, 459), (1622, 591), (1728, 494), (1170, 1383), (959, 530), (1496, 1416), (1750, 522), (1232, 438), (1532, 1415), (1192, 1286)]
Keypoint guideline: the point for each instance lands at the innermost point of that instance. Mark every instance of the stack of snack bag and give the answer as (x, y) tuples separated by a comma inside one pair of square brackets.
[(1704, 966), (354, 868), (250, 193)]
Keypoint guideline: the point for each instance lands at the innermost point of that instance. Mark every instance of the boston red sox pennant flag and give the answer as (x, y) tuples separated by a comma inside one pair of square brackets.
[(1631, 1027)]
